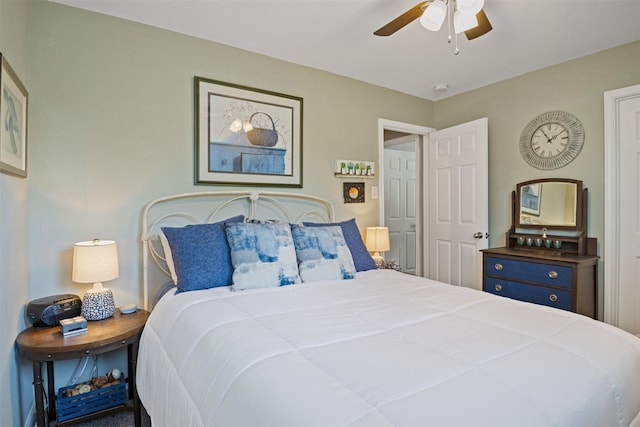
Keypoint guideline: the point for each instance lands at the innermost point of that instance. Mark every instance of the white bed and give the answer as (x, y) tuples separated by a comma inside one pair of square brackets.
[(382, 349)]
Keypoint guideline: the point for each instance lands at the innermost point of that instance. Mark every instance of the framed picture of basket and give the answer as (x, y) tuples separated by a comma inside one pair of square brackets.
[(246, 136), (13, 116)]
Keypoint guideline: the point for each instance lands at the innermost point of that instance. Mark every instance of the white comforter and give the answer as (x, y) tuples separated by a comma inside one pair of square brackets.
[(383, 349)]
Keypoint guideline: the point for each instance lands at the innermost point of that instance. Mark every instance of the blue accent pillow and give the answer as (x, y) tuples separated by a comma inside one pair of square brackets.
[(201, 255), (322, 253), (361, 257), (262, 255)]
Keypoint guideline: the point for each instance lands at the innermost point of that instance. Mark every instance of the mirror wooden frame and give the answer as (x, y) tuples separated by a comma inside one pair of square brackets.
[(518, 208), (571, 239)]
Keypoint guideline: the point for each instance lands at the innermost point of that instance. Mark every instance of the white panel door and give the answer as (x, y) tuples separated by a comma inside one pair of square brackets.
[(629, 211), (400, 206), (457, 211)]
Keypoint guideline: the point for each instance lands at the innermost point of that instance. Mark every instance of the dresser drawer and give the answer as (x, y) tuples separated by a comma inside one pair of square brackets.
[(554, 275), (531, 293)]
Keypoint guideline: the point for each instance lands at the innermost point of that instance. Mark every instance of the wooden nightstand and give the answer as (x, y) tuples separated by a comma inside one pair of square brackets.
[(48, 345)]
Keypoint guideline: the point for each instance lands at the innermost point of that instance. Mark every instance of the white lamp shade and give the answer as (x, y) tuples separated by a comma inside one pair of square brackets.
[(95, 261), (377, 239), (433, 16), (463, 21), (470, 6)]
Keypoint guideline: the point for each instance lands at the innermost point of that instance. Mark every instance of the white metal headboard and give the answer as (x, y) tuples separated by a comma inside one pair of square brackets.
[(212, 206)]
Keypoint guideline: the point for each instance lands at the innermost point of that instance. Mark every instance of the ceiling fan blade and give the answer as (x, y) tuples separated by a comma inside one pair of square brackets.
[(406, 18), (483, 27)]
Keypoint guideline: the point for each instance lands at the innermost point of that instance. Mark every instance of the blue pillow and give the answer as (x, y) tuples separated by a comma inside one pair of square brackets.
[(262, 255), (322, 253), (201, 255), (361, 257)]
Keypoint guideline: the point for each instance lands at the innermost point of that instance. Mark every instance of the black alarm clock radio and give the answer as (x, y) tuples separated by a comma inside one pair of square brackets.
[(48, 311)]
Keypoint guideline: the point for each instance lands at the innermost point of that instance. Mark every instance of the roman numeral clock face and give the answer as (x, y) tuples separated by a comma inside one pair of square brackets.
[(552, 140)]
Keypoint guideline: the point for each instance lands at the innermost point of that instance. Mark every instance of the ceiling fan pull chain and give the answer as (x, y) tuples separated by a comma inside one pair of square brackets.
[(449, 21), (456, 51), (451, 5)]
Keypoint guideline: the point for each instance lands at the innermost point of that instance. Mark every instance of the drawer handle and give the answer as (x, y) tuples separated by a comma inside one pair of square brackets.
[(498, 287), (498, 266), (553, 274), (553, 297)]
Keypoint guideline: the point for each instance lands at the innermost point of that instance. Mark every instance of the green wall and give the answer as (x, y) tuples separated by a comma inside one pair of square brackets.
[(575, 86), (112, 128), (15, 375)]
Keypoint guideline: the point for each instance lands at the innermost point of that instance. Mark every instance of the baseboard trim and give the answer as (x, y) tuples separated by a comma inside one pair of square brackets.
[(31, 417)]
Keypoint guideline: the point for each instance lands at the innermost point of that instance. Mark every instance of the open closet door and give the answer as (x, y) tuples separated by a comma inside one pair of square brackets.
[(457, 203)]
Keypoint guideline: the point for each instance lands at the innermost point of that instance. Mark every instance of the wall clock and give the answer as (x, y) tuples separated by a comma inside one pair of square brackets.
[(552, 140)]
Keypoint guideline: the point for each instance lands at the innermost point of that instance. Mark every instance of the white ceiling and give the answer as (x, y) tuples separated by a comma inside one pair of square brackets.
[(337, 36)]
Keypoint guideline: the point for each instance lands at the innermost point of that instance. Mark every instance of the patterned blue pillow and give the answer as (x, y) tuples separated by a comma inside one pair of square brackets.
[(200, 254), (262, 255), (361, 257), (322, 253)]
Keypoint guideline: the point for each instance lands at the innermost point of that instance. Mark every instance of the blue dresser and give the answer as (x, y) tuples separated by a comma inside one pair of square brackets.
[(566, 281)]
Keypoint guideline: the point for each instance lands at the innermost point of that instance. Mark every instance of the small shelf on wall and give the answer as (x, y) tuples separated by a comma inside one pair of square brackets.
[(354, 169)]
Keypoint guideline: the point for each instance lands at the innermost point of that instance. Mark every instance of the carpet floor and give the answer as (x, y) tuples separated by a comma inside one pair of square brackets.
[(120, 419)]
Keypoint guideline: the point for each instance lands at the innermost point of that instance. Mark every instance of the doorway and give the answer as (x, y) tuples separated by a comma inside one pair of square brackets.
[(389, 130), (400, 198)]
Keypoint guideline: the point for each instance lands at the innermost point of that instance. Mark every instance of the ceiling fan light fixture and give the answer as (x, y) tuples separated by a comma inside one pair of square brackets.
[(434, 15), (463, 21), (470, 6)]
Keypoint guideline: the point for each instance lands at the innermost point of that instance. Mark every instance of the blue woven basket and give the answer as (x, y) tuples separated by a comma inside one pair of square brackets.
[(88, 403)]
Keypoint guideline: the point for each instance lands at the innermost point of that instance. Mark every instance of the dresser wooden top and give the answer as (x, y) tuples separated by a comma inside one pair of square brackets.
[(542, 254)]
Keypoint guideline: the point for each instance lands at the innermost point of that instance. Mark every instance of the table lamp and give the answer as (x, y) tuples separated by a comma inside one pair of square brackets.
[(377, 240), (96, 261)]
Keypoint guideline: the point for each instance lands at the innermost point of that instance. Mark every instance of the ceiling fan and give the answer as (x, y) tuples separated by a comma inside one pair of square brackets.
[(468, 17)]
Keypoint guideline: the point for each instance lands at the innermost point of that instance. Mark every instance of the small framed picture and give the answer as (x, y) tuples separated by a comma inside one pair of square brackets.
[(13, 116), (353, 192)]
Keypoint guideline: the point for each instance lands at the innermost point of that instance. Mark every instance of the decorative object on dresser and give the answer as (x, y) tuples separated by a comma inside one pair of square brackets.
[(13, 116), (247, 136), (377, 240), (548, 258), (96, 261)]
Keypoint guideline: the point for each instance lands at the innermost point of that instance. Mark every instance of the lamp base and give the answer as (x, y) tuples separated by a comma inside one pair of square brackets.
[(378, 259), (98, 305)]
